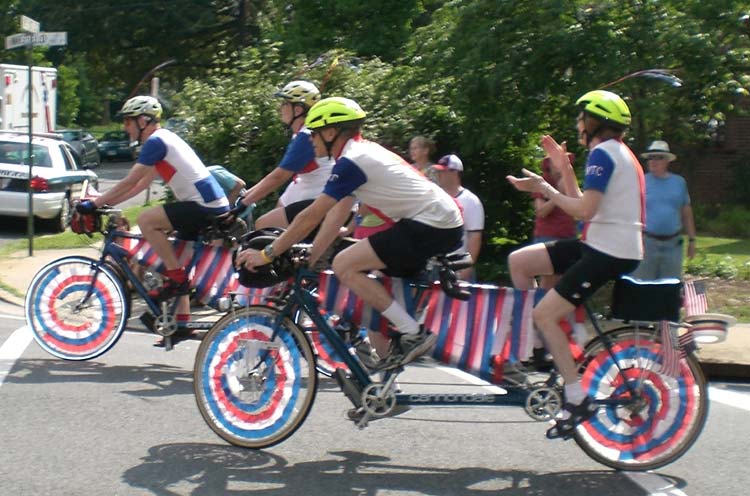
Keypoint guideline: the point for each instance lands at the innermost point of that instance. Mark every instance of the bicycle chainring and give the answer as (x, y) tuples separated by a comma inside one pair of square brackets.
[(377, 401), (543, 402)]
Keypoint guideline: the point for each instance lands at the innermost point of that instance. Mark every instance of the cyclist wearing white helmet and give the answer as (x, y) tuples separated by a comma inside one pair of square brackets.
[(308, 173), (428, 221), (611, 206), (199, 196)]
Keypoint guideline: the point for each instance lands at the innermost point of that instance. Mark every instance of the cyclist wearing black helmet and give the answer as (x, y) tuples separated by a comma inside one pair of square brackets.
[(611, 206), (428, 221)]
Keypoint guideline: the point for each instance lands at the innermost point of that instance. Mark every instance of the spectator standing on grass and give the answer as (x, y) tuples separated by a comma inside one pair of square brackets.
[(668, 216)]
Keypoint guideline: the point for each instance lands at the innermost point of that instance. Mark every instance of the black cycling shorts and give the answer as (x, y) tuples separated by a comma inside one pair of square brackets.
[(188, 218), (584, 269), (407, 245)]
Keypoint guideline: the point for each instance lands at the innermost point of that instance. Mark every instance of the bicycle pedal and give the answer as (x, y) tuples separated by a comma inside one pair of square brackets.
[(349, 386)]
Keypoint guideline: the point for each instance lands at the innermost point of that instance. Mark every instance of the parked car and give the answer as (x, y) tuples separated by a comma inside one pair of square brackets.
[(57, 178), (84, 145), (116, 145)]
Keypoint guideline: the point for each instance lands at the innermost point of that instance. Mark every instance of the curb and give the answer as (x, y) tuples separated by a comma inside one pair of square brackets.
[(10, 299)]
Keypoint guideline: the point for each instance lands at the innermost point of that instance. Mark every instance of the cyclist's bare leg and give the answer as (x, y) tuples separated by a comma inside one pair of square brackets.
[(351, 266), (274, 218), (547, 315), (155, 225), (527, 263)]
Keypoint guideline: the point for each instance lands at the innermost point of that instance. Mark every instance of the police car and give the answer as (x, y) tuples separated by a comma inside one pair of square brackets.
[(56, 177)]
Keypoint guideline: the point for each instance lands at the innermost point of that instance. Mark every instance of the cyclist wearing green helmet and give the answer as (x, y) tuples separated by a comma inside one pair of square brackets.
[(307, 173), (611, 206), (427, 220)]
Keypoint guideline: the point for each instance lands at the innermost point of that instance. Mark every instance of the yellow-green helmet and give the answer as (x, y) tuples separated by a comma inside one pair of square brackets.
[(141, 105), (334, 111), (607, 106), (303, 92)]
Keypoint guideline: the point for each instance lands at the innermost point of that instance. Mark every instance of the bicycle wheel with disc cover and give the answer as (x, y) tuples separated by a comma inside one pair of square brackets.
[(76, 308), (653, 418), (254, 377)]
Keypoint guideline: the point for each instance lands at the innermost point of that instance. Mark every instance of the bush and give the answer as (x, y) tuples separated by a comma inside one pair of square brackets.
[(729, 221)]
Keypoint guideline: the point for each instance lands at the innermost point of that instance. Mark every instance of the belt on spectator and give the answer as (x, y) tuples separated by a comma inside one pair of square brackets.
[(662, 237)]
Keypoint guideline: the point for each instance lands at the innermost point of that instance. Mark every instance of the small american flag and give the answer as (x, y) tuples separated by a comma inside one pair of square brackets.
[(695, 301), (674, 348)]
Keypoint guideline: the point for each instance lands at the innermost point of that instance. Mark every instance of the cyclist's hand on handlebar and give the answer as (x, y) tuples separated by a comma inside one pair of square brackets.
[(240, 209), (86, 207), (249, 259)]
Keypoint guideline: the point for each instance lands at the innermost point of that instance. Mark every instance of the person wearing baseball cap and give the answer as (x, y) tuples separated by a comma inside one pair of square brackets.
[(668, 216), (449, 171)]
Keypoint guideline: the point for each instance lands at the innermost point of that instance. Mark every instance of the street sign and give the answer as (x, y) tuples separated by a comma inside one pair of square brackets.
[(29, 25), (36, 39)]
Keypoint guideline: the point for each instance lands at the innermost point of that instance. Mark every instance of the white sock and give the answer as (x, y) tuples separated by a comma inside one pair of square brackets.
[(401, 319)]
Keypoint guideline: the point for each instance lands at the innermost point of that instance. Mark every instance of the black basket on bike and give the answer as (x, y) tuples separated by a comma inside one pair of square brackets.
[(651, 301)]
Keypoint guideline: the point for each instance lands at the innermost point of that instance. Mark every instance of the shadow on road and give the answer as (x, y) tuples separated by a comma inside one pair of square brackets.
[(200, 469), (162, 380)]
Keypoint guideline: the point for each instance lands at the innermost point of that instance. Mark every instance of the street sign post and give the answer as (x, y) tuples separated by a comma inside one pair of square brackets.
[(30, 38)]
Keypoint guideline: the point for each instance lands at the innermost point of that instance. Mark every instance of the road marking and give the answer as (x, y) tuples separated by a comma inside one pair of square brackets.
[(12, 349), (653, 484), (11, 317), (731, 398), (472, 379)]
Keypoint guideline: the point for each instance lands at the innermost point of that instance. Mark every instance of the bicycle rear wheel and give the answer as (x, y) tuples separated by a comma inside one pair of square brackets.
[(66, 323), (254, 381), (655, 426)]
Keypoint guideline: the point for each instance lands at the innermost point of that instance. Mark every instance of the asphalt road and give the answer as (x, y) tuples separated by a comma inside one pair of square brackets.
[(127, 424)]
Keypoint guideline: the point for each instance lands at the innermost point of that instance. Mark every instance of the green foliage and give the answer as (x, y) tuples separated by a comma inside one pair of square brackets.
[(726, 220)]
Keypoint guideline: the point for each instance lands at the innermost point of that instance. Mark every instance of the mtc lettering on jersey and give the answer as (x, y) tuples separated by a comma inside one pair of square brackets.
[(594, 170)]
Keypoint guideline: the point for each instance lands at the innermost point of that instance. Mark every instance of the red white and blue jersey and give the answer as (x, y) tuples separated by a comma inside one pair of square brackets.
[(616, 228), (183, 171), (311, 174), (384, 181)]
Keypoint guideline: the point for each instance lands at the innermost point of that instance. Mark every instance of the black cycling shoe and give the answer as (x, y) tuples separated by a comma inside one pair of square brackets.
[(565, 427)]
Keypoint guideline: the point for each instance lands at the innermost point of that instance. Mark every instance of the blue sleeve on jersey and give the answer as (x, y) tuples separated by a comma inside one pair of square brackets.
[(346, 177), (599, 169), (153, 150), (299, 153)]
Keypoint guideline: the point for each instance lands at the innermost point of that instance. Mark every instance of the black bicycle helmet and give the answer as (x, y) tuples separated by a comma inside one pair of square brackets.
[(267, 275)]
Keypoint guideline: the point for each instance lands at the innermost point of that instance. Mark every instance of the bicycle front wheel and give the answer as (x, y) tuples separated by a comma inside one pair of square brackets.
[(652, 422), (254, 377), (65, 319)]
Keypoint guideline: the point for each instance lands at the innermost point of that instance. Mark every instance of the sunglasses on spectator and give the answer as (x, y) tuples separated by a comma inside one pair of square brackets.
[(658, 157)]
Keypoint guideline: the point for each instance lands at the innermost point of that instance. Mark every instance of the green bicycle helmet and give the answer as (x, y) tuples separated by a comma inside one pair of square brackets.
[(334, 111), (303, 92), (141, 105), (607, 106)]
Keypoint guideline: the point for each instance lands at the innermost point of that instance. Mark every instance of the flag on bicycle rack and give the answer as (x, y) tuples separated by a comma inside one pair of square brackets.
[(694, 300)]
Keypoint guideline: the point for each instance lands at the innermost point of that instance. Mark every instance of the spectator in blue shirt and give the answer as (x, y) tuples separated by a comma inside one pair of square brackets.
[(668, 216)]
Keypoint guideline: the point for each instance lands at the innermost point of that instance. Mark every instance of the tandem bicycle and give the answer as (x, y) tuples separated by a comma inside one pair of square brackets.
[(78, 307), (255, 376)]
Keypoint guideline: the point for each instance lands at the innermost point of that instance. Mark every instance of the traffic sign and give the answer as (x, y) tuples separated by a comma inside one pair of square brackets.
[(29, 25), (36, 39)]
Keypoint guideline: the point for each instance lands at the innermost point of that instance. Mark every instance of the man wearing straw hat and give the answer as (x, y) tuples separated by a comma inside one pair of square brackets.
[(668, 216)]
